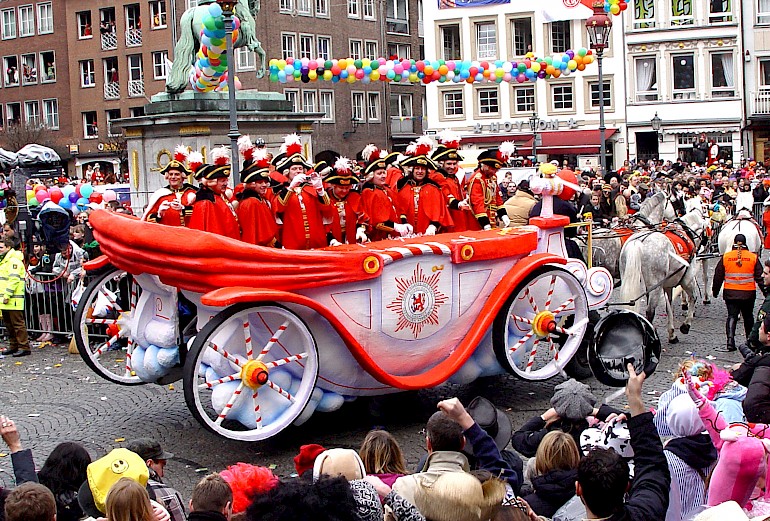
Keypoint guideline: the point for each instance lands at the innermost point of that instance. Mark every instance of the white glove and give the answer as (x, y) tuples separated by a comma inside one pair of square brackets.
[(464, 205), (402, 229), (506, 221), (298, 180), (488, 227), (165, 205), (317, 183), (335, 242), (430, 230), (361, 235)]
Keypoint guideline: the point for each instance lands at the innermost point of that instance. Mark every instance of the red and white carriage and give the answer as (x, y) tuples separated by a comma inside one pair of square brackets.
[(280, 334)]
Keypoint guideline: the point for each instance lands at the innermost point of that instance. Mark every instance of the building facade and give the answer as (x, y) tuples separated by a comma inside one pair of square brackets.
[(567, 108), (756, 79)]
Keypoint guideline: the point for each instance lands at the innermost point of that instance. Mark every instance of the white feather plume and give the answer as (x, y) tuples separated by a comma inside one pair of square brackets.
[(368, 150), (448, 136), (220, 155), (343, 164)]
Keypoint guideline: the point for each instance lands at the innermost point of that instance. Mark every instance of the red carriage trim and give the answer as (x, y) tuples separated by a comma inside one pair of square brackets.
[(96, 264), (228, 296), (545, 223), (414, 250)]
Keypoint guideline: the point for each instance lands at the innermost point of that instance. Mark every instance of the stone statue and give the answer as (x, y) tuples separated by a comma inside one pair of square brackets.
[(189, 41)]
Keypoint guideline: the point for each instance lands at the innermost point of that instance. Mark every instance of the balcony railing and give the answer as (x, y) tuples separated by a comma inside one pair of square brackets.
[(399, 125), (760, 101), (136, 88), (133, 38), (112, 90), (109, 41)]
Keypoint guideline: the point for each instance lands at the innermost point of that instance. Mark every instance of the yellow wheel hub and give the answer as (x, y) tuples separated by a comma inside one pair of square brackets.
[(254, 374), (544, 324)]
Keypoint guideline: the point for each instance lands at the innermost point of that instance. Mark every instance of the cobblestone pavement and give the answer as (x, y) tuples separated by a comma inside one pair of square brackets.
[(54, 397)]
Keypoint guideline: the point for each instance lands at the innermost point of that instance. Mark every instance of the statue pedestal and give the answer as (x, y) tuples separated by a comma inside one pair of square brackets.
[(201, 121)]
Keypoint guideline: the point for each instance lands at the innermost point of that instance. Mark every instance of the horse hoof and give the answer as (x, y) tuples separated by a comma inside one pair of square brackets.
[(684, 328), (685, 307), (674, 340)]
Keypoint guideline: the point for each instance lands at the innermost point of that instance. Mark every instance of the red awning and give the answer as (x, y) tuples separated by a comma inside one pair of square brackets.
[(567, 142)]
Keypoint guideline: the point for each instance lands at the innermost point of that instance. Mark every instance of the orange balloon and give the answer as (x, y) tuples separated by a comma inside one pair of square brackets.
[(556, 73), (485, 73), (578, 59), (550, 69), (581, 66)]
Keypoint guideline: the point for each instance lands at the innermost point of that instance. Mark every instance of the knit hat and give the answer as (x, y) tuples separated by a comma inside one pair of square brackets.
[(105, 472), (573, 400), (339, 462), (306, 457)]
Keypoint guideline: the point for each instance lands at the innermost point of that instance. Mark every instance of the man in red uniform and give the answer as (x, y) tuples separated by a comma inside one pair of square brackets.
[(303, 206), (255, 213), (212, 212), (420, 200), (172, 204), (349, 222), (484, 197), (447, 158), (378, 199)]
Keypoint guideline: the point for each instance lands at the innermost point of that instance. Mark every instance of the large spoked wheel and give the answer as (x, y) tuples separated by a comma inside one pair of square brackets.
[(109, 294), (251, 371), (541, 325)]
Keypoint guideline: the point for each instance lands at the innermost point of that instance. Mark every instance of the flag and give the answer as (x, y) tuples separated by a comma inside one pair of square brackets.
[(446, 4)]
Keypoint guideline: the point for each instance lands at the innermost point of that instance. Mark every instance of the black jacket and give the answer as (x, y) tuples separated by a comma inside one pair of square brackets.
[(552, 490), (206, 515), (560, 207), (700, 152)]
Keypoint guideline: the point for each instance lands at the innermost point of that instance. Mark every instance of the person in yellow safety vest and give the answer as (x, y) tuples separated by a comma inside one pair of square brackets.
[(12, 299), (740, 271)]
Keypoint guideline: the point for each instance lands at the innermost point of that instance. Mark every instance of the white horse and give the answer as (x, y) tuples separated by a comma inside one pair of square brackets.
[(651, 268)]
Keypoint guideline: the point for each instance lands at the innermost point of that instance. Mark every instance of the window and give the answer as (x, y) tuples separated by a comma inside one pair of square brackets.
[(9, 24), (306, 46), (27, 23), (322, 8), (44, 18), (524, 99), (369, 10), (87, 76), (722, 75), (486, 41), (136, 112), (160, 67), (522, 36), (681, 12), (561, 36), (357, 107), (84, 25), (90, 127), (245, 59), (354, 8), (191, 3), (158, 14), (13, 111), (763, 13), (110, 116), (646, 79), (288, 45), (11, 67), (135, 76), (397, 14), (304, 7), (561, 96), (370, 50), (29, 69), (450, 42), (133, 21), (684, 76), (644, 14), (373, 106), (764, 73), (453, 103), (48, 64), (51, 113), (488, 102), (286, 6), (402, 51), (324, 47), (309, 101), (720, 11), (355, 49), (593, 87), (327, 105), (292, 96), (32, 113)]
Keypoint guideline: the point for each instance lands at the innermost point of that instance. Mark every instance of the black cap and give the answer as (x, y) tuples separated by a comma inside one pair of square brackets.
[(147, 448), (739, 239)]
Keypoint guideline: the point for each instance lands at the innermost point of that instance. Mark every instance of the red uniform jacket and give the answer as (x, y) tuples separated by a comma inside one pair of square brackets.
[(349, 215), (172, 217), (485, 200), (257, 220), (304, 215), (379, 203), (454, 193), (766, 222), (422, 205), (394, 176), (213, 213)]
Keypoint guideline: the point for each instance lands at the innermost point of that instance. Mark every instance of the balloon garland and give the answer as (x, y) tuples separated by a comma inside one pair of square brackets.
[(210, 72), (69, 197), (530, 68)]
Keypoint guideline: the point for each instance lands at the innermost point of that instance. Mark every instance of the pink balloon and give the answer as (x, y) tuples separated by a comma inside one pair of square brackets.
[(109, 195), (42, 195), (507, 76), (359, 74)]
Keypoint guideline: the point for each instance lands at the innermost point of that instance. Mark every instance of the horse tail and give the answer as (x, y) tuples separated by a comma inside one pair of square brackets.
[(184, 54), (631, 273)]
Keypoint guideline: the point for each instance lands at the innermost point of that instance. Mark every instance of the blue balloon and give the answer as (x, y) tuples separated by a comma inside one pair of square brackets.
[(82, 204), (465, 74), (215, 10), (282, 76), (289, 69), (368, 70), (343, 74), (65, 203), (479, 77), (219, 33), (335, 79), (73, 197)]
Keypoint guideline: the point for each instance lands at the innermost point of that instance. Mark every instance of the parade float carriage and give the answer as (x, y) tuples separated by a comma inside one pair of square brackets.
[(281, 334)]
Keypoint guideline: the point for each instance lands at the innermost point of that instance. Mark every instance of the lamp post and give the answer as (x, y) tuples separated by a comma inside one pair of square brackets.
[(599, 26), (227, 10), (656, 123), (534, 122)]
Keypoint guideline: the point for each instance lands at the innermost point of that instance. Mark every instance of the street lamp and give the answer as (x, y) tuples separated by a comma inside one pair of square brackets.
[(227, 10), (534, 122), (656, 122), (599, 26)]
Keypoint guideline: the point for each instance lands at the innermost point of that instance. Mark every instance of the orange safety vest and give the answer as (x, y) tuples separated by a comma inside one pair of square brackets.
[(739, 270)]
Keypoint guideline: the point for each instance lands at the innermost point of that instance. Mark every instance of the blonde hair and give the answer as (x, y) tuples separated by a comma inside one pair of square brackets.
[(557, 451), (127, 500), (381, 454)]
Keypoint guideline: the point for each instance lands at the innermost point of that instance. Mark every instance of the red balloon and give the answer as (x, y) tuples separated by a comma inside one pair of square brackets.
[(567, 175), (56, 194), (336, 70), (420, 65), (96, 197), (77, 189), (113, 330), (484, 65), (427, 79), (474, 71), (435, 76)]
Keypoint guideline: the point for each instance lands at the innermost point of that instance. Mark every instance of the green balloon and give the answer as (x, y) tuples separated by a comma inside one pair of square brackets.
[(582, 52), (210, 23), (358, 64), (217, 42), (297, 73), (549, 60), (33, 202), (522, 67), (328, 64), (220, 23)]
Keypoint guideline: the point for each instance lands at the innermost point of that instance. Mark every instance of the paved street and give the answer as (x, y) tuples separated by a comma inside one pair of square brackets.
[(54, 397)]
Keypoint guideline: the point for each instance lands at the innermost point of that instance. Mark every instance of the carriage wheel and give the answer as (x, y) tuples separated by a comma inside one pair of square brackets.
[(540, 327), (251, 371), (99, 347)]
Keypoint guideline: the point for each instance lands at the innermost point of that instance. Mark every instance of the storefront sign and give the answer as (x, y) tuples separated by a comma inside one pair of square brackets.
[(523, 126)]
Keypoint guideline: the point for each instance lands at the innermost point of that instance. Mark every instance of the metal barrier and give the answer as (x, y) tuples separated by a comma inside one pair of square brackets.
[(47, 304), (589, 239)]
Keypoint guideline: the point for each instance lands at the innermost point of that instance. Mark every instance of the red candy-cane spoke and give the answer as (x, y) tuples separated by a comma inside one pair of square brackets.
[(519, 318), (564, 306), (105, 346), (111, 300), (550, 292), (101, 321), (229, 378), (572, 330), (129, 353), (257, 411), (225, 354), (521, 341), (277, 388), (531, 300), (229, 405), (247, 338), (273, 340), (288, 359), (532, 354)]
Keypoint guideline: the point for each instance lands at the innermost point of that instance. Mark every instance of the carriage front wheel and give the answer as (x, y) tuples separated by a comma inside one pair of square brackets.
[(251, 371), (541, 325)]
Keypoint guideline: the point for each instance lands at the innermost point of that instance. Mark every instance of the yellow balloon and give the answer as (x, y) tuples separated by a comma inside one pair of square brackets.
[(343, 63), (365, 62), (328, 75), (351, 78), (313, 75), (535, 67), (374, 76), (615, 9), (413, 77)]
